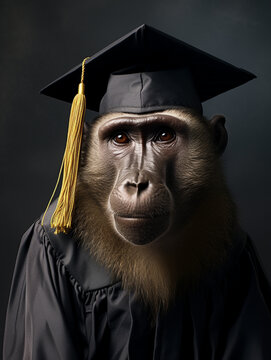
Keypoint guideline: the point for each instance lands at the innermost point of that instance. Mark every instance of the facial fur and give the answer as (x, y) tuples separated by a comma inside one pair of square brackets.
[(154, 213)]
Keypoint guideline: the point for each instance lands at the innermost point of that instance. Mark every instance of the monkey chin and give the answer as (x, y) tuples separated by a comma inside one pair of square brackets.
[(141, 230)]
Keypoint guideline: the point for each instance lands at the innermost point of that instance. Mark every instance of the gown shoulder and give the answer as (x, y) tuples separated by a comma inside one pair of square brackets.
[(77, 259), (54, 284)]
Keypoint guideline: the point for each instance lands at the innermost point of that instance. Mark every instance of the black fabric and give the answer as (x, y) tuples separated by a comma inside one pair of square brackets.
[(56, 312), (150, 91), (144, 50), (89, 273)]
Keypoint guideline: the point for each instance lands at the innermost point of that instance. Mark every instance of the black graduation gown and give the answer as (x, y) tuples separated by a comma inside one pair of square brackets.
[(64, 305)]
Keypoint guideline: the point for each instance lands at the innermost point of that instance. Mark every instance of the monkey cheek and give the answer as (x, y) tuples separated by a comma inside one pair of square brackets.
[(141, 231)]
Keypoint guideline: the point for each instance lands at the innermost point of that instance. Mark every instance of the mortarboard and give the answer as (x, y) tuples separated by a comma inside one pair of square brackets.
[(145, 70), (164, 71)]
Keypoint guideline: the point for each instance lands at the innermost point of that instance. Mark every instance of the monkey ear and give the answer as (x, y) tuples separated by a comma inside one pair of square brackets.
[(84, 144), (220, 135), (86, 127)]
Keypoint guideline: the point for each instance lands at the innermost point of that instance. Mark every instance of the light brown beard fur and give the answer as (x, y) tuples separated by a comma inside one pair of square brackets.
[(201, 245)]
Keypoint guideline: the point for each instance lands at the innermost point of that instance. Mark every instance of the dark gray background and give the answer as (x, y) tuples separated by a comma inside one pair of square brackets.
[(40, 40)]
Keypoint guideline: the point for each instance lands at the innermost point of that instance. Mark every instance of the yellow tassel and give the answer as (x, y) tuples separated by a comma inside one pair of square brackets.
[(62, 217)]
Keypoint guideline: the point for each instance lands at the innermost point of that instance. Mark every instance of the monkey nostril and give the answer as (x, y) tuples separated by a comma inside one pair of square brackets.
[(130, 187), (142, 186), (131, 183)]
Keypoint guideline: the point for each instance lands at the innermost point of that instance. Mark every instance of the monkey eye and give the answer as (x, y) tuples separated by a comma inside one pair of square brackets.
[(121, 138), (165, 135)]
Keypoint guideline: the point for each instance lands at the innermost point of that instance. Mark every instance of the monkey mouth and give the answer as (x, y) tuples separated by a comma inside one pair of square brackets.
[(141, 229), (141, 216)]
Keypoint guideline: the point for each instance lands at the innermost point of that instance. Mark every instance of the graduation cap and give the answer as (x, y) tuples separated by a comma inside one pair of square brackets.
[(146, 70)]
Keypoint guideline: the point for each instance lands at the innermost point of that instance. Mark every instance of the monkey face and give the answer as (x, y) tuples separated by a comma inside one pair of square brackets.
[(140, 202), (151, 167)]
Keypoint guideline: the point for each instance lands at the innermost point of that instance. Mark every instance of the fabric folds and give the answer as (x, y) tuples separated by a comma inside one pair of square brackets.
[(51, 315)]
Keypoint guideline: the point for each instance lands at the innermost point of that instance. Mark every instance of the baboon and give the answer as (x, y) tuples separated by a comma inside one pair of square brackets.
[(141, 256)]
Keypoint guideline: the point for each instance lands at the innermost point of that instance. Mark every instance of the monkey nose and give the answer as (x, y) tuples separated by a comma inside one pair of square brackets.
[(136, 187)]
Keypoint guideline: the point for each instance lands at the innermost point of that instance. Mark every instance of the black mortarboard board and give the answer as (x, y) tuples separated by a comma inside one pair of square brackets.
[(145, 70), (148, 70)]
